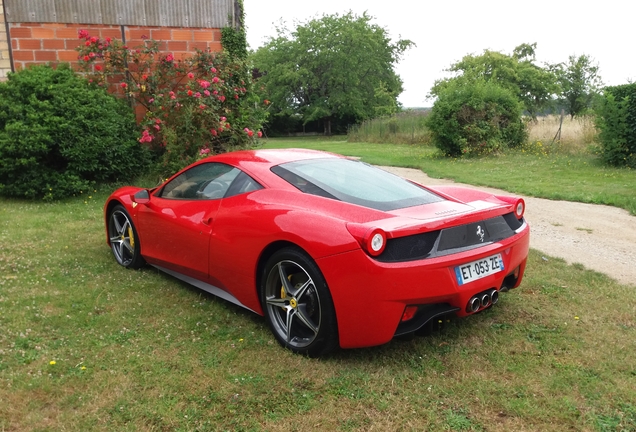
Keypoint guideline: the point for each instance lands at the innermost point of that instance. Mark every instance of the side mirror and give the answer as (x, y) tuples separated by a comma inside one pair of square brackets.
[(141, 197)]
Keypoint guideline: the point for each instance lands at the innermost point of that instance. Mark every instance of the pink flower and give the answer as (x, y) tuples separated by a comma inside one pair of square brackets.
[(213, 70), (236, 96), (222, 98), (204, 151), (190, 75), (93, 39), (250, 134), (204, 84), (86, 58), (215, 92), (202, 106), (213, 132), (108, 39), (197, 95), (145, 137), (215, 80), (87, 43), (223, 118), (206, 92), (260, 134), (83, 34), (151, 100), (91, 55), (123, 85), (246, 130), (169, 58)]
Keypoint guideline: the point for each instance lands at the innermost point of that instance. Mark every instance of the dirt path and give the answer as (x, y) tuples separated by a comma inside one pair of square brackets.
[(600, 237)]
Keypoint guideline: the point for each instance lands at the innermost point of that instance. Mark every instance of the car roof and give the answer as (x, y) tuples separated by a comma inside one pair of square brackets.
[(270, 157)]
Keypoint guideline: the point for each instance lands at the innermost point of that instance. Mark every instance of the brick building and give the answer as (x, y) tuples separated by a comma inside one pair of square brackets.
[(43, 31)]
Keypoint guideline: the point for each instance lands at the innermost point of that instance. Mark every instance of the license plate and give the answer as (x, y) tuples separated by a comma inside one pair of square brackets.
[(476, 270)]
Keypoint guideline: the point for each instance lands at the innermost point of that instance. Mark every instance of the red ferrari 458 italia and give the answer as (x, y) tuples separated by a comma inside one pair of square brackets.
[(332, 251)]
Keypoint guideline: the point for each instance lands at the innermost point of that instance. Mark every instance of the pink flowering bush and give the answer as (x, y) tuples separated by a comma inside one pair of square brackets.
[(191, 108)]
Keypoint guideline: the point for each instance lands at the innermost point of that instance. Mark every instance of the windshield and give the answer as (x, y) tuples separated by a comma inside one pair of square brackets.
[(354, 182)]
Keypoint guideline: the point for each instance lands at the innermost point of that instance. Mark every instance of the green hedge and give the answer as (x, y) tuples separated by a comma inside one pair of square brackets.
[(59, 135), (616, 122)]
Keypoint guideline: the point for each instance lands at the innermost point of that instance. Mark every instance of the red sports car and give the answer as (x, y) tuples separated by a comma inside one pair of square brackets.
[(332, 251)]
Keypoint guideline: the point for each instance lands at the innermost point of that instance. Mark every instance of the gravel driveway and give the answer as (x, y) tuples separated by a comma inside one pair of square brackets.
[(602, 238)]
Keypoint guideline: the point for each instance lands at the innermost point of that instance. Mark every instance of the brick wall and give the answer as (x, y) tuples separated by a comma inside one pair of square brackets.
[(5, 60), (34, 43)]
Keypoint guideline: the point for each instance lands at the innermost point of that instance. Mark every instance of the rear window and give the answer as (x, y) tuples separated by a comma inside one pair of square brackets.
[(354, 182)]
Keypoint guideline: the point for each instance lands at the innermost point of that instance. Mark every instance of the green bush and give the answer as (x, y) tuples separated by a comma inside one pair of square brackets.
[(616, 122), (59, 135), (475, 118)]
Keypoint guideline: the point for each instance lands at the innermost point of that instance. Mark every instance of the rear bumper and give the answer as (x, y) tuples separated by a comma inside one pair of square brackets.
[(371, 296)]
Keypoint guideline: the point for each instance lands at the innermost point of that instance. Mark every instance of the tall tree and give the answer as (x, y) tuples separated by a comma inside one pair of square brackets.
[(580, 81), (533, 85), (332, 68)]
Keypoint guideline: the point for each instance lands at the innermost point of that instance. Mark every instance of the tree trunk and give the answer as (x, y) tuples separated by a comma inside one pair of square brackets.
[(327, 127)]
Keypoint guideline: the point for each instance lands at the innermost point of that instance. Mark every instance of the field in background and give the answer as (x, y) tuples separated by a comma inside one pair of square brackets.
[(576, 136), (404, 128), (88, 345)]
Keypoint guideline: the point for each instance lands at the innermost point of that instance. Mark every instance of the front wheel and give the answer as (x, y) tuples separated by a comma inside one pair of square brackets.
[(297, 303), (124, 241)]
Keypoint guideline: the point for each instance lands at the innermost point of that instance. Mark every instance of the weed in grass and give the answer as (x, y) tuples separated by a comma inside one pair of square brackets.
[(587, 230)]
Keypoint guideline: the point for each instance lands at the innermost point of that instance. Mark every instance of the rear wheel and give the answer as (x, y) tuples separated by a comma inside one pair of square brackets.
[(297, 303), (124, 241)]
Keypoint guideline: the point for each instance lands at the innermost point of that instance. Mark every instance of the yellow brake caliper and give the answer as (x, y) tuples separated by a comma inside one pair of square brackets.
[(132, 237), (283, 293)]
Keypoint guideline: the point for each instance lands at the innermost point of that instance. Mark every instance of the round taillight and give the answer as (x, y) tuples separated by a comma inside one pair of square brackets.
[(376, 242), (520, 207)]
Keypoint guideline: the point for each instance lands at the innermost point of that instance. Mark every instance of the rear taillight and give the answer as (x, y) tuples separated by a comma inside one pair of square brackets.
[(372, 240), (376, 241), (520, 208)]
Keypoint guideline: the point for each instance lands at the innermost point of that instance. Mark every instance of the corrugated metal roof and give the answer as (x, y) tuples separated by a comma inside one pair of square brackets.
[(163, 13)]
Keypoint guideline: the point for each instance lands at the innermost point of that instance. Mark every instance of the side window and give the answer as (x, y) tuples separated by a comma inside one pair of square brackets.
[(242, 184), (205, 181)]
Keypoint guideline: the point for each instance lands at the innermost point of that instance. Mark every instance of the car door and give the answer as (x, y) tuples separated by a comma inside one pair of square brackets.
[(178, 220)]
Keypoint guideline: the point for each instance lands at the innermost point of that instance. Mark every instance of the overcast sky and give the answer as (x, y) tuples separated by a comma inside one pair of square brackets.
[(445, 31)]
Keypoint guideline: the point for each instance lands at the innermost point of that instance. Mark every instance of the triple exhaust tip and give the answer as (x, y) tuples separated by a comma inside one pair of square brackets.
[(483, 300)]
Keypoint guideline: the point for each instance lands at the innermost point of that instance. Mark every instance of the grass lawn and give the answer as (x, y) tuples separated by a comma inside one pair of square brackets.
[(88, 345), (534, 172)]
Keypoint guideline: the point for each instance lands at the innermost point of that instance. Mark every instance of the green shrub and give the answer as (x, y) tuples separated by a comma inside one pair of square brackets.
[(59, 135), (475, 118), (616, 122)]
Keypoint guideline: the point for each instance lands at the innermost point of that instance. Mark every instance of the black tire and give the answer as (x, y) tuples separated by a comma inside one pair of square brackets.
[(297, 303), (124, 241)]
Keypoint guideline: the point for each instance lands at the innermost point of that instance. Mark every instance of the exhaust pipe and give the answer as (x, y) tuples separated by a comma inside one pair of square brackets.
[(485, 299), (473, 305), (494, 296)]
